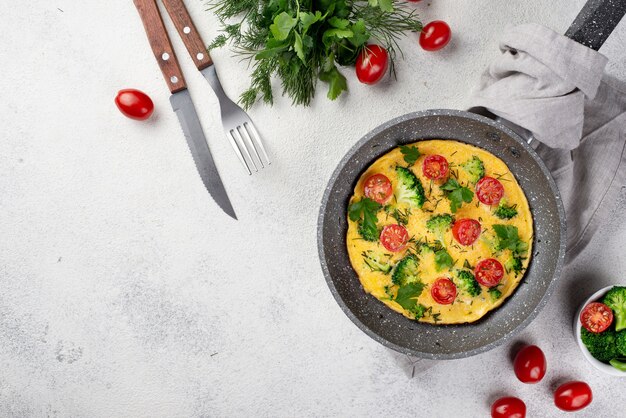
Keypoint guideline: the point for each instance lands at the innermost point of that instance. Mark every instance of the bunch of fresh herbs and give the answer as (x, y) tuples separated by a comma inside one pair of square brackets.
[(301, 41)]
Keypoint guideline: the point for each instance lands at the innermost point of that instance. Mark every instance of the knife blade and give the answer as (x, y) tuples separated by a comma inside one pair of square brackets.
[(182, 104), (189, 121)]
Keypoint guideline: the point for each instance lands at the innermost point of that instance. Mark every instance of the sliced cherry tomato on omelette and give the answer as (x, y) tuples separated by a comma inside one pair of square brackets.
[(378, 188), (508, 407), (435, 167), (573, 396), (443, 291), (489, 272), (371, 64), (466, 231), (134, 104), (530, 364), (489, 190), (596, 317), (394, 237), (435, 35)]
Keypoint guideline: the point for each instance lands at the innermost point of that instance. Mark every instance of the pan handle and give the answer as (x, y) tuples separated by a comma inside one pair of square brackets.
[(596, 21)]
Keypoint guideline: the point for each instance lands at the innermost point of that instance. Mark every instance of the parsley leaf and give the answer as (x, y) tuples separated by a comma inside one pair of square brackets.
[(443, 259), (411, 154), (508, 238), (366, 209), (336, 81), (283, 23), (457, 194), (407, 296)]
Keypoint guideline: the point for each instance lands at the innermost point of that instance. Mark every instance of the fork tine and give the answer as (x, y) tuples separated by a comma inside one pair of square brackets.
[(257, 140), (243, 147), (233, 143), (246, 135)]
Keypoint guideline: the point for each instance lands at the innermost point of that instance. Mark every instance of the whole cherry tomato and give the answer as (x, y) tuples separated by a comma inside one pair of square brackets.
[(573, 396), (134, 104), (372, 64), (435, 35), (508, 407), (530, 364)]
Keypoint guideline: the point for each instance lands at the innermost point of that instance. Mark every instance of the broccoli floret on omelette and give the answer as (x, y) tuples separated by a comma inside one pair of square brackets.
[(375, 262), (466, 281), (504, 211), (439, 225), (409, 189), (514, 264), (475, 168), (406, 271)]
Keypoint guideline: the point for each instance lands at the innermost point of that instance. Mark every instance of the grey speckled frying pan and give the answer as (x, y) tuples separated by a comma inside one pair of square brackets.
[(455, 341)]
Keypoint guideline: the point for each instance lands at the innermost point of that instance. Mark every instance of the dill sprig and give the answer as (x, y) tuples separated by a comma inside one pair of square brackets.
[(301, 41)]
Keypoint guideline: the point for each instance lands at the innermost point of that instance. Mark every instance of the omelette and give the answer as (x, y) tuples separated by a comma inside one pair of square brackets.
[(439, 231)]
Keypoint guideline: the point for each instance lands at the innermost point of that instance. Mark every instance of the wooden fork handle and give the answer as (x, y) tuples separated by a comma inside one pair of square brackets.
[(188, 32), (161, 45)]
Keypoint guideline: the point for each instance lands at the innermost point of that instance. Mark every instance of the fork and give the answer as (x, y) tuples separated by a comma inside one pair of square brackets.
[(239, 129)]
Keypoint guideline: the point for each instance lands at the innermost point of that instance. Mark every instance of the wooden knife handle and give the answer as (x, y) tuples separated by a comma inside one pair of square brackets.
[(161, 45), (188, 32)]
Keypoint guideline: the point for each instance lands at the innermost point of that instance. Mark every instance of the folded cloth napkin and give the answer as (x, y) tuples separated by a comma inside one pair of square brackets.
[(556, 89)]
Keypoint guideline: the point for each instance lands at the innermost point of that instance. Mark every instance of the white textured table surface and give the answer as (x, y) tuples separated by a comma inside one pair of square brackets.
[(125, 291)]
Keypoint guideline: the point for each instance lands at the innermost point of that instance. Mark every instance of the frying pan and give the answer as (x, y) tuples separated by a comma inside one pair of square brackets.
[(591, 28)]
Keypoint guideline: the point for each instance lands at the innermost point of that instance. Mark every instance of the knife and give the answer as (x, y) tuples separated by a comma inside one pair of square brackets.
[(182, 104)]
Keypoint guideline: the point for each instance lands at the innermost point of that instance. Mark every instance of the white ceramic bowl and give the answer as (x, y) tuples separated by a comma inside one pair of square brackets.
[(606, 368)]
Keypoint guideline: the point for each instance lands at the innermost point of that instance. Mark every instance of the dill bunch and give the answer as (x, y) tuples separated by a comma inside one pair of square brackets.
[(302, 41)]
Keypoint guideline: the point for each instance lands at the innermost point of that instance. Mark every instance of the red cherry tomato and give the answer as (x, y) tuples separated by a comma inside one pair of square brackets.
[(466, 231), (134, 104), (443, 291), (489, 190), (435, 167), (596, 317), (372, 64), (435, 35), (508, 407), (489, 272), (573, 396), (394, 237), (530, 364), (378, 188)]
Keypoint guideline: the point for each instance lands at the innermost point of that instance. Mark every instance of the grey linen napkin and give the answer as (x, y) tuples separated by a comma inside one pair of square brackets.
[(556, 89)]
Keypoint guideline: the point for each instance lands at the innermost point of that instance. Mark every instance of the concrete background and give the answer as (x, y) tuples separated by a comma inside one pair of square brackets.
[(125, 291)]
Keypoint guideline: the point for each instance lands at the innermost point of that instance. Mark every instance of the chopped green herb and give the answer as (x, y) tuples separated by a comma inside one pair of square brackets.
[(407, 296), (508, 238), (457, 194), (443, 260), (411, 154), (364, 212)]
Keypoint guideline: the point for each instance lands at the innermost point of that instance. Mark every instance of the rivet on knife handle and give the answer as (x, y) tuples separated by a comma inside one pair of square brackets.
[(161, 45), (188, 32)]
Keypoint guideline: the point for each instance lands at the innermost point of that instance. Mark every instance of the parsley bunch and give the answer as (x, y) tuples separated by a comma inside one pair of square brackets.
[(301, 41)]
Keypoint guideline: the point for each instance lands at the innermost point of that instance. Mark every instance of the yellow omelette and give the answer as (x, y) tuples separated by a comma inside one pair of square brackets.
[(446, 257)]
